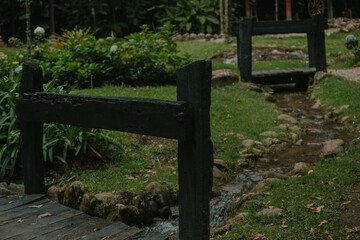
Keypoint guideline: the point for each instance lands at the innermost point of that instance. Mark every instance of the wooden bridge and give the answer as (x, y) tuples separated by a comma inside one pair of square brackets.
[(245, 28), (25, 217), (187, 120)]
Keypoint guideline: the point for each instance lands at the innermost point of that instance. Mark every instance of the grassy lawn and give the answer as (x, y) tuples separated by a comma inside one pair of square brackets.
[(234, 109)]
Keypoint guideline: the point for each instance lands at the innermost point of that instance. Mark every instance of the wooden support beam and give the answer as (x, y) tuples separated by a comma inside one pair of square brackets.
[(32, 133), (168, 119), (318, 43), (288, 10), (244, 40), (196, 155)]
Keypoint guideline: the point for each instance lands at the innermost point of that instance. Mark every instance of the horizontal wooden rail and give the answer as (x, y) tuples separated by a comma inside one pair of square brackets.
[(168, 119), (278, 27)]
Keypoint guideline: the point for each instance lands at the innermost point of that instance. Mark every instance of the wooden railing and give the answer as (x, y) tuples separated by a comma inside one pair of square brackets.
[(245, 28), (186, 120)]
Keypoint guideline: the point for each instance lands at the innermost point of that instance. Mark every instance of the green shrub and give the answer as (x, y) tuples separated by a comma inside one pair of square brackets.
[(144, 58), (58, 139)]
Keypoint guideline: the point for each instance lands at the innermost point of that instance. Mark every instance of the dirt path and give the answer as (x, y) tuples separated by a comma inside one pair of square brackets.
[(352, 74)]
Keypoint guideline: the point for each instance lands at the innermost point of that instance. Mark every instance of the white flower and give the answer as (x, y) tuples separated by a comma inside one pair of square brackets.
[(39, 31), (113, 48), (21, 56)]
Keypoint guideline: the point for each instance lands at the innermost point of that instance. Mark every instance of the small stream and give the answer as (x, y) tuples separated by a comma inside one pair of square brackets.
[(318, 128)]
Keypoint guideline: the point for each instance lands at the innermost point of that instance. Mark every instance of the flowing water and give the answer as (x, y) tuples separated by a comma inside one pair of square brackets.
[(318, 128)]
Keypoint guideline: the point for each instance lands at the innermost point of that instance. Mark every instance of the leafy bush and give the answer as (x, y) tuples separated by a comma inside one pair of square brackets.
[(199, 16), (144, 58), (58, 140)]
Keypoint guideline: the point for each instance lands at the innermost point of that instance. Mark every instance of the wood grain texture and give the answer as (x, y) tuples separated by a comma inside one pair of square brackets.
[(196, 155), (159, 118)]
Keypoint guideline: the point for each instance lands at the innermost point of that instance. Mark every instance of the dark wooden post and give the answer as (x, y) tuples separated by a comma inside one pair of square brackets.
[(195, 156), (31, 133), (319, 42), (316, 43), (244, 48)]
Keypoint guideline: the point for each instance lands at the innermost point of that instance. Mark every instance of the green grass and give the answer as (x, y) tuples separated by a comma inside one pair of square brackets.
[(233, 109), (202, 50), (294, 194), (9, 51), (335, 91)]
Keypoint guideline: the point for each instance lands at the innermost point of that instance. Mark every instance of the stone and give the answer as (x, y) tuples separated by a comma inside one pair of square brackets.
[(261, 187), (221, 164), (344, 107), (130, 215), (73, 194), (238, 218), (283, 126), (288, 118), (186, 36), (223, 77), (248, 143), (319, 76), (268, 97), (344, 119), (154, 208), (87, 204), (161, 194), (104, 198), (53, 194), (296, 128), (270, 212), (299, 142), (201, 35), (272, 180), (11, 189), (155, 187), (269, 134), (253, 87), (294, 136), (317, 105), (270, 174), (299, 166), (165, 212), (178, 38), (208, 36), (332, 147), (192, 36), (217, 173)]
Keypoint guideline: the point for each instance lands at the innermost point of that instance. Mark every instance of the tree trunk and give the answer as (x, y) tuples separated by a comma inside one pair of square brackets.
[(28, 29), (221, 10), (226, 17)]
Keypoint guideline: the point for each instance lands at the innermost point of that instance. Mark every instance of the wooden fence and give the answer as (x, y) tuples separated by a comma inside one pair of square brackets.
[(187, 120), (245, 28)]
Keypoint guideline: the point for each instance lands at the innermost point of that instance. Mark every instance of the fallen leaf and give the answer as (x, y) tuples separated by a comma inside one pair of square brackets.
[(96, 229), (326, 232), (310, 171), (349, 230), (312, 232), (225, 139), (35, 206), (129, 177), (237, 199), (20, 221), (347, 202), (230, 134), (113, 192), (318, 198), (357, 229), (288, 210), (322, 222), (45, 215), (310, 206), (283, 225), (317, 209), (347, 237), (259, 236), (330, 238), (120, 205), (11, 202)]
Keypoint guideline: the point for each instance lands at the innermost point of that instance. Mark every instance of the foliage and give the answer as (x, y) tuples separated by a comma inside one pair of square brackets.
[(200, 16), (58, 140), (144, 58)]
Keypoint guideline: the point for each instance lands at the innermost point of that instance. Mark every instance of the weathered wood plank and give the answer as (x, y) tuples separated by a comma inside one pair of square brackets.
[(283, 72), (196, 155), (126, 234), (160, 118), (148, 236), (107, 232), (318, 42), (20, 211), (22, 200)]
